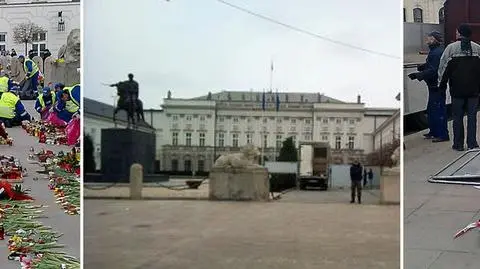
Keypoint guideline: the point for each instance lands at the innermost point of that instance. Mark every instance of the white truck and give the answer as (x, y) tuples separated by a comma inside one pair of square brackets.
[(313, 165)]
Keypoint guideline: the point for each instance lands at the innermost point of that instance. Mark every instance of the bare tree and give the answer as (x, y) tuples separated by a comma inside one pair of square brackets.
[(26, 33)]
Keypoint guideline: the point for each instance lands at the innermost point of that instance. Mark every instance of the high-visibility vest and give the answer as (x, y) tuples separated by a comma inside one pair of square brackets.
[(8, 101), (42, 102), (3, 84), (71, 105), (34, 68)]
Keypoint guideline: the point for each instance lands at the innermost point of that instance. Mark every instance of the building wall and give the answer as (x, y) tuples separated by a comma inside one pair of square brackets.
[(44, 14), (191, 131), (430, 9), (388, 131)]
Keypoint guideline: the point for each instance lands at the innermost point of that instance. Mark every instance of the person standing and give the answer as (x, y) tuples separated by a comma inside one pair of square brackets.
[(436, 107), (370, 178), (460, 69), (356, 180)]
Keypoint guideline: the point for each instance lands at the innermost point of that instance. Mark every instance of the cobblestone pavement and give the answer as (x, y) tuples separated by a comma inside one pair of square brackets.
[(434, 212), (295, 232)]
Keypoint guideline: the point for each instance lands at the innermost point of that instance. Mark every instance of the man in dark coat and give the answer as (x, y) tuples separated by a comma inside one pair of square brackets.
[(460, 69), (428, 72), (356, 172)]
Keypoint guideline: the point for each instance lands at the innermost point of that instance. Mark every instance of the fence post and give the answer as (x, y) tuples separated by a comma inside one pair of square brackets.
[(136, 181)]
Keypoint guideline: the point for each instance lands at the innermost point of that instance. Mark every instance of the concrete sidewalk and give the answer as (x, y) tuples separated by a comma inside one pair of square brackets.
[(434, 212), (216, 235)]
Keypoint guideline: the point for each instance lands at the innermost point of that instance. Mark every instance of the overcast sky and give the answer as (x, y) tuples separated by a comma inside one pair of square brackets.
[(193, 47)]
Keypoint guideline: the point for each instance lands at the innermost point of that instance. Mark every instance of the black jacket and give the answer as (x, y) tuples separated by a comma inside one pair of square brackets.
[(356, 172), (463, 77), (460, 70)]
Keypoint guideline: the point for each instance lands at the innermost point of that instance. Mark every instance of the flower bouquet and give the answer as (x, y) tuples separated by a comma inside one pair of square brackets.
[(66, 188), (4, 138), (11, 169)]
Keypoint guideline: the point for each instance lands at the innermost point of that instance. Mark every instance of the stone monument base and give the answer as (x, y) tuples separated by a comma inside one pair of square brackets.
[(390, 186), (239, 184)]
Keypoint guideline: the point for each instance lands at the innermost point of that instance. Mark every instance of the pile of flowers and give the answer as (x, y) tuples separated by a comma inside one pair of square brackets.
[(66, 188), (46, 133), (64, 171), (31, 243), (11, 169)]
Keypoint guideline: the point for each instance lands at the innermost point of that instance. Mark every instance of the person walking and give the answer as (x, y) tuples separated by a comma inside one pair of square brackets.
[(436, 107), (356, 180), (460, 69)]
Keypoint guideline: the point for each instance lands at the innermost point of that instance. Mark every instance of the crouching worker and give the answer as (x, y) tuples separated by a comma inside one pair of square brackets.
[(68, 104), (45, 101), (12, 111)]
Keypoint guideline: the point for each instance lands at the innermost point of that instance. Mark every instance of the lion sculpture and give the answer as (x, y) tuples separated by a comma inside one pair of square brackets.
[(71, 51), (244, 159)]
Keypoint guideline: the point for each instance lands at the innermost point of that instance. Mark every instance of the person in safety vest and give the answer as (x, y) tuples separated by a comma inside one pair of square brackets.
[(6, 84), (31, 72), (68, 103), (12, 111), (45, 101)]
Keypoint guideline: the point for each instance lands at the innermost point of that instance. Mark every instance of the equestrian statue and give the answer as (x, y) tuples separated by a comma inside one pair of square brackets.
[(127, 92)]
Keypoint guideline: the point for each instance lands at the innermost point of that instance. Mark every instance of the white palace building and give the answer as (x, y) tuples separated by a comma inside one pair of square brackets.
[(56, 17), (191, 133)]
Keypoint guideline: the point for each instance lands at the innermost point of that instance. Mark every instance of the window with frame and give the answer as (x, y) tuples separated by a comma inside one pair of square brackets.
[(221, 139), (221, 119), (175, 139), (339, 121), (418, 15), (187, 165), (189, 117), (324, 137), (279, 120), (175, 117), (308, 121), (265, 120), (39, 42), (249, 139), (202, 118), (308, 137), (325, 121), (201, 140), (338, 142), (188, 139), (351, 142), (293, 121), (235, 140), (174, 165), (201, 165), (235, 119), (279, 141), (3, 41), (265, 141), (352, 121)]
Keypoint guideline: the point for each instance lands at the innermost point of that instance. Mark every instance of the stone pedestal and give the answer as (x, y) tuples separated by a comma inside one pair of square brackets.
[(123, 147), (239, 184), (390, 186)]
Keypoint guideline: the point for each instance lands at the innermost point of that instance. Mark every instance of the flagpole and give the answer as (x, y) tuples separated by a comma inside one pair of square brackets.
[(262, 137)]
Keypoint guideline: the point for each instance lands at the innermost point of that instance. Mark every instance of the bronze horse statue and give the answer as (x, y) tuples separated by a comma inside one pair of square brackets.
[(126, 103)]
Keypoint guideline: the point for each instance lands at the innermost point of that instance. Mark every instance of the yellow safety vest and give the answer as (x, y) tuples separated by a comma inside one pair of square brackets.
[(8, 101), (34, 68), (71, 105), (3, 84), (42, 102)]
